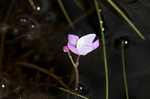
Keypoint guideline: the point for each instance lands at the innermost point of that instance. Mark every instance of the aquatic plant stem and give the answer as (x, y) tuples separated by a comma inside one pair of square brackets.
[(76, 71), (72, 92), (65, 13), (32, 4), (126, 18), (104, 47), (76, 78), (124, 70), (33, 66)]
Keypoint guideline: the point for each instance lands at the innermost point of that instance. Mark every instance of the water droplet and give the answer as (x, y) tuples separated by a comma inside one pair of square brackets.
[(4, 83), (103, 29), (3, 86), (100, 10), (41, 6), (125, 42), (101, 22), (118, 42), (38, 8), (23, 20), (32, 26), (28, 26)]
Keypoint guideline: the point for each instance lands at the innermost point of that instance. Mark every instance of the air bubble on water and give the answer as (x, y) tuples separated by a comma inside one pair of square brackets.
[(103, 29), (32, 26), (3, 86), (4, 83), (100, 10), (82, 89), (101, 22), (125, 42), (118, 42), (38, 8), (23, 20)]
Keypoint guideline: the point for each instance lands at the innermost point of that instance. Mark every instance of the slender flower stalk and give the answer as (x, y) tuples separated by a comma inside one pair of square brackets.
[(76, 71), (104, 47), (124, 70), (126, 19), (80, 46)]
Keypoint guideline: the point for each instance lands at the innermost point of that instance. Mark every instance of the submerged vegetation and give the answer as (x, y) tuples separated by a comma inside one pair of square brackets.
[(32, 36)]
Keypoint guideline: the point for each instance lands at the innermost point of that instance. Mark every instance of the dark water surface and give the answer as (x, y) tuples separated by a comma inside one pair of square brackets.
[(37, 36)]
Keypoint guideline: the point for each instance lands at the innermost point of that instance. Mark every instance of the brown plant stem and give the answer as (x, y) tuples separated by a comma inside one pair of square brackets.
[(33, 66), (76, 78), (76, 71)]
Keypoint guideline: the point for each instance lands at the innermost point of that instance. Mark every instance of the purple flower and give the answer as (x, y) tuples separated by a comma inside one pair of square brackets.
[(83, 45), (66, 49)]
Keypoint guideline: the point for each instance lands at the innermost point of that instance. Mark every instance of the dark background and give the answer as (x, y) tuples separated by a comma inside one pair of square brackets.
[(37, 37)]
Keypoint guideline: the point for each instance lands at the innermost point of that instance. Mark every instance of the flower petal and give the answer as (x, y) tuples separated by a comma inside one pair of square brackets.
[(73, 49), (72, 39), (85, 44), (66, 49), (86, 39), (96, 44), (84, 50)]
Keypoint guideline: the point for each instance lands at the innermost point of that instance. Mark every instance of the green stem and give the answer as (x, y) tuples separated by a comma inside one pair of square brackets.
[(124, 70), (126, 18), (72, 92), (32, 4), (104, 47), (65, 13)]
